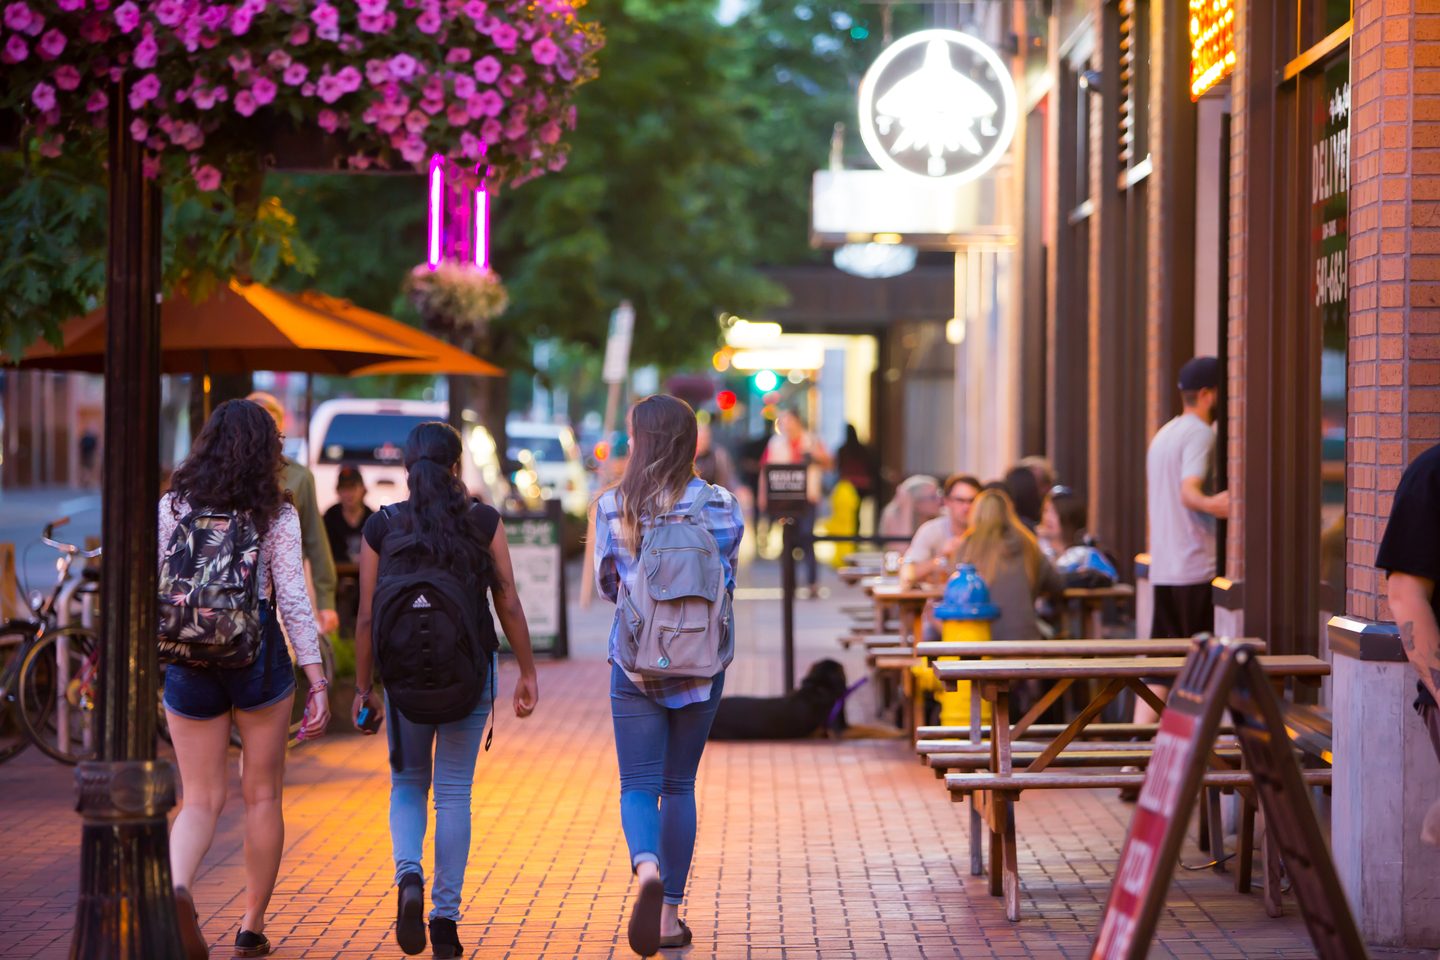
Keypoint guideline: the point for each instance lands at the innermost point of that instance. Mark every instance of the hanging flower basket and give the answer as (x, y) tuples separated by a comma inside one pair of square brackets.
[(489, 85), (456, 297)]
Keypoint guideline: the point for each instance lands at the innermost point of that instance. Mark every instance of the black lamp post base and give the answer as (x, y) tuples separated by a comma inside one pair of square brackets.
[(127, 903)]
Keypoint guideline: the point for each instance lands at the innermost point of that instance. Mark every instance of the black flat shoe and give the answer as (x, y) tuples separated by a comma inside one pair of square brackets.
[(410, 914), (192, 940), (249, 944), (445, 939), (645, 918), (681, 939)]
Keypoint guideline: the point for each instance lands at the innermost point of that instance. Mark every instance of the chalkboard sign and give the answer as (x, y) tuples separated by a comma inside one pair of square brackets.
[(787, 489), (535, 555), (1217, 674)]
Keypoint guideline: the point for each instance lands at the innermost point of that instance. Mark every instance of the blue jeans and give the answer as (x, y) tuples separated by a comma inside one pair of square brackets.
[(455, 747), (659, 750)]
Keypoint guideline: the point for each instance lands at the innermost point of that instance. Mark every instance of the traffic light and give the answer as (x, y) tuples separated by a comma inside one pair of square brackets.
[(766, 381), (726, 400)]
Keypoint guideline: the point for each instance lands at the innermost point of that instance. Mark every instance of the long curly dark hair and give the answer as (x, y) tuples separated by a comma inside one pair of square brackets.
[(439, 503), (234, 465)]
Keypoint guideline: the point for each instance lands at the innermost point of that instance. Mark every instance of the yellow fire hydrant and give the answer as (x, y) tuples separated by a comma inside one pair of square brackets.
[(965, 614)]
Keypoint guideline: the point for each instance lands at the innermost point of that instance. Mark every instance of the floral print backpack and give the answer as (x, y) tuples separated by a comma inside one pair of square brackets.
[(210, 609)]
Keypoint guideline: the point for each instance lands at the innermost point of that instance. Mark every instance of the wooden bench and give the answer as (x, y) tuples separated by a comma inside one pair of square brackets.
[(872, 640), (1137, 755), (991, 680)]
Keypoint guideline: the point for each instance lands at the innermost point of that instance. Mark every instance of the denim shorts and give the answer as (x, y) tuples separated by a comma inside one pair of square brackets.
[(203, 693)]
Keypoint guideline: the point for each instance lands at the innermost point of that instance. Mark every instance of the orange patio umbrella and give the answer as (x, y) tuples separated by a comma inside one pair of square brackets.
[(441, 357)]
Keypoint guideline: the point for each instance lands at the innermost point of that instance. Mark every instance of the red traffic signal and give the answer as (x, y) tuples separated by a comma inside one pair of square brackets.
[(726, 399)]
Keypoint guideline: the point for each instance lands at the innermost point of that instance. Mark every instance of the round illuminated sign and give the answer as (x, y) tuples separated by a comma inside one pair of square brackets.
[(938, 104)]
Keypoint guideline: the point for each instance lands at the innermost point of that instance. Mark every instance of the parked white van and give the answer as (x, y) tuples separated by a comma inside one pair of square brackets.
[(370, 435), (552, 453)]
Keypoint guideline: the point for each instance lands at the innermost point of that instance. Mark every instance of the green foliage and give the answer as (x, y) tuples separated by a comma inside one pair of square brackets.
[(53, 225)]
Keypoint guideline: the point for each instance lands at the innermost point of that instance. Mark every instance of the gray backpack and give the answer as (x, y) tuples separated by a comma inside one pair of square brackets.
[(677, 622)]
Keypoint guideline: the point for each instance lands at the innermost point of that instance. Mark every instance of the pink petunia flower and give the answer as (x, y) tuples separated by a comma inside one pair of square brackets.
[(490, 103), (349, 79), (403, 66), (358, 161), (471, 146), (70, 6), (428, 22), (458, 55), (169, 12), (330, 89), (516, 128), (19, 17), (241, 62), (94, 30), (207, 178), (139, 129), (549, 133), (325, 15), (15, 49), (545, 51), (474, 9), (307, 89), (150, 166), (43, 96), (51, 45), (457, 115), (299, 36), (388, 124), (264, 90), (127, 16), (278, 60), (373, 8), (464, 87), (240, 23), (377, 72), (491, 131), (416, 121), (413, 150), (295, 74), (50, 145), (375, 22), (328, 120), (205, 99), (505, 37), (67, 77), (147, 88), (487, 69), (245, 104), (98, 101), (515, 75), (146, 52), (432, 107)]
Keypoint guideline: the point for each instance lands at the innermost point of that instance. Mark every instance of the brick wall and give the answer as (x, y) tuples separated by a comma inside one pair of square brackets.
[(1394, 269)]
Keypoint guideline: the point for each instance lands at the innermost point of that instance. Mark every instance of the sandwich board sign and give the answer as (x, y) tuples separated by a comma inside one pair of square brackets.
[(1221, 674), (787, 489), (539, 565)]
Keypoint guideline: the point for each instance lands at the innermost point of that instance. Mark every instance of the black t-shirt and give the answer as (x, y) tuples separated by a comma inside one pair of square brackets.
[(344, 539), (486, 519), (1412, 537)]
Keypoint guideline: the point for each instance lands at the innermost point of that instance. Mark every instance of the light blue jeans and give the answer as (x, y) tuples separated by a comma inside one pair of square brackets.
[(659, 750), (451, 750)]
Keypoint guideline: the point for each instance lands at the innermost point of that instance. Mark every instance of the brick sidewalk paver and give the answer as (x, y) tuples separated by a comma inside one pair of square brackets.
[(813, 849)]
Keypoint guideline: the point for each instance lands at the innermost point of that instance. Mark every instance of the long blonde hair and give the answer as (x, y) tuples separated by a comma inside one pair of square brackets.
[(661, 465), (996, 533)]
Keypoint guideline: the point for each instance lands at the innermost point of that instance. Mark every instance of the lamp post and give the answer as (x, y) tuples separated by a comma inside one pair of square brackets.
[(126, 909)]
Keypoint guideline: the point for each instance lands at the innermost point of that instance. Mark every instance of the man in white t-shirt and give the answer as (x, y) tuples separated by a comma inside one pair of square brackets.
[(1182, 514)]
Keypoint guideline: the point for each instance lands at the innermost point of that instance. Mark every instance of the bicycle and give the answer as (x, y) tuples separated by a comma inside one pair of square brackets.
[(50, 679)]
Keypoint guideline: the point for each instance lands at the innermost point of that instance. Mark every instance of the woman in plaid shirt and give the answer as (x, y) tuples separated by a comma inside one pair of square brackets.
[(661, 725)]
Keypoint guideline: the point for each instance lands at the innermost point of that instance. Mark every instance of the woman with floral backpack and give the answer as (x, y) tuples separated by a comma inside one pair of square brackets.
[(668, 655), (230, 570)]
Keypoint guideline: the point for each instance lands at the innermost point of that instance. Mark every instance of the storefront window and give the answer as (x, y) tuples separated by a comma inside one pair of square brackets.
[(1329, 185), (1320, 18)]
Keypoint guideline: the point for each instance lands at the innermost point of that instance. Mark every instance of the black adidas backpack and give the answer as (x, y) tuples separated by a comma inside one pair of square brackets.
[(433, 632)]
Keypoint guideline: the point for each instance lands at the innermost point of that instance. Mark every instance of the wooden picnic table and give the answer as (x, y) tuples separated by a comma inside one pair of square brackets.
[(909, 601), (1086, 606), (992, 679)]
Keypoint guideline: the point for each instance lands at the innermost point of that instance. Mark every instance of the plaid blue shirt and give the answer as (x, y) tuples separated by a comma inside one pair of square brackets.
[(615, 564)]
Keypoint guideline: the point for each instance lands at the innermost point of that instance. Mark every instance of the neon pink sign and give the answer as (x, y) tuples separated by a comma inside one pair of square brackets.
[(458, 215)]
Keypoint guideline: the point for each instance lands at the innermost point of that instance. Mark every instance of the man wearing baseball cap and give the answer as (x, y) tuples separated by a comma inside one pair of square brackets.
[(1182, 515)]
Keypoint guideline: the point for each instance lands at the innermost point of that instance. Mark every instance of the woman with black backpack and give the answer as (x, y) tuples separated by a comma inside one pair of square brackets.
[(672, 637), (229, 558), (426, 567)]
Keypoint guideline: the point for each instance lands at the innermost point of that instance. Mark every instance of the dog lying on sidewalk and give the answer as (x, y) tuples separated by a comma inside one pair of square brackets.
[(809, 711)]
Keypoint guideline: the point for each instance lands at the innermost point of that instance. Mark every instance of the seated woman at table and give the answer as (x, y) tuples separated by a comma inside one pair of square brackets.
[(916, 500), (1010, 561), (1063, 518)]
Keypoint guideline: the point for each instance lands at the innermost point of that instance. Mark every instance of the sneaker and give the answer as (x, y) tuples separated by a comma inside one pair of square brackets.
[(249, 944), (445, 939), (410, 914)]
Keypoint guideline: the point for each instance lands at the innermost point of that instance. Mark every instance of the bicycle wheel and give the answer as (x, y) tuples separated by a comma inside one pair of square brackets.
[(58, 694), (13, 645), (302, 684)]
